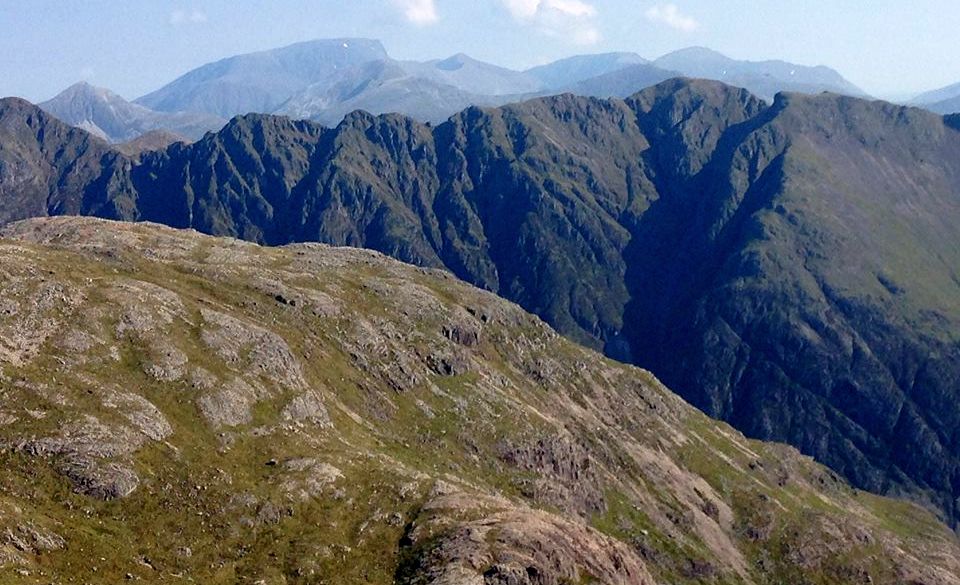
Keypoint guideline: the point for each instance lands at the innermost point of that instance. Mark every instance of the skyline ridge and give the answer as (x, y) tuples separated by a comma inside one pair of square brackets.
[(866, 43)]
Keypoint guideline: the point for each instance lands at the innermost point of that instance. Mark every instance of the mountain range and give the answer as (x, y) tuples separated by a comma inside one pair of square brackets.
[(112, 118), (325, 80), (182, 408), (943, 101), (789, 267)]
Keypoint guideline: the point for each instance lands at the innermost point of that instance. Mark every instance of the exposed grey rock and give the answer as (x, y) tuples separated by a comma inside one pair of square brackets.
[(202, 379), (87, 438), (105, 480), (146, 308), (267, 354), (230, 405), (309, 477), (308, 408), (141, 413), (567, 476), (32, 539), (166, 363), (91, 454), (37, 314)]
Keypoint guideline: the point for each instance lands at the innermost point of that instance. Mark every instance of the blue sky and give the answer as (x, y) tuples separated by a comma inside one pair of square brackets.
[(890, 48)]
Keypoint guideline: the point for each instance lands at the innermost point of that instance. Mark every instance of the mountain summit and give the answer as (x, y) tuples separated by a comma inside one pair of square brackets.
[(110, 117), (261, 82), (763, 78)]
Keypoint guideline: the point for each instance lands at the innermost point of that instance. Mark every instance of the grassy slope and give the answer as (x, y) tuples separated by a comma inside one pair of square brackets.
[(529, 430)]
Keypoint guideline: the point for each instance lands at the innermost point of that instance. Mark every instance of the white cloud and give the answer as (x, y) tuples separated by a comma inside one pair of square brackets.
[(178, 17), (571, 19), (672, 16), (527, 9), (420, 12), (574, 8)]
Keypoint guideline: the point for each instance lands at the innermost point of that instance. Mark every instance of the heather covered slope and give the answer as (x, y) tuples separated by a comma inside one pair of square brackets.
[(226, 413), (791, 267)]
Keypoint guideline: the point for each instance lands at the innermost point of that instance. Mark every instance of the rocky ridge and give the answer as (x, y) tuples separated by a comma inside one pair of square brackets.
[(176, 406), (788, 267)]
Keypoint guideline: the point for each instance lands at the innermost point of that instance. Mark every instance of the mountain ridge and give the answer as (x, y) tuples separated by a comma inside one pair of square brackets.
[(263, 82), (693, 229), (945, 100), (763, 78), (225, 413), (114, 119)]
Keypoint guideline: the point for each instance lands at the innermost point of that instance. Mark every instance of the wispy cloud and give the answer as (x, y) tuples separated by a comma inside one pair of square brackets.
[(178, 17), (419, 12), (573, 19), (672, 16)]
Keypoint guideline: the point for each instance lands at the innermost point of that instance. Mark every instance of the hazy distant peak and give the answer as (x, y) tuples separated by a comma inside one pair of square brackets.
[(696, 52), (112, 118), (945, 100), (454, 62), (764, 78), (84, 89), (571, 70), (262, 81)]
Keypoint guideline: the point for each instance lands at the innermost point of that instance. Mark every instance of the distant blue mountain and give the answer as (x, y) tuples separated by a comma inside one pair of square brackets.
[(945, 100), (762, 78), (261, 82)]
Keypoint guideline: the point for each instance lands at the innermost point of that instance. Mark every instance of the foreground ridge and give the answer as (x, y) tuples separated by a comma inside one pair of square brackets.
[(174, 405)]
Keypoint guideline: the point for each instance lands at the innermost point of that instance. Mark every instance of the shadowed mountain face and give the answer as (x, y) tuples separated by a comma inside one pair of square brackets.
[(48, 167), (791, 268), (223, 413)]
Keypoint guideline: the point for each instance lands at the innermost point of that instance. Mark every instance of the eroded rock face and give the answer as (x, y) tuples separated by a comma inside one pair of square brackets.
[(93, 455), (209, 407), (230, 404), (144, 416), (307, 408), (566, 475), (257, 351), (513, 545)]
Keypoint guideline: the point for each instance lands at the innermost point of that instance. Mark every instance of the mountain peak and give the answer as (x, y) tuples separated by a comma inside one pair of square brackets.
[(763, 78), (347, 43), (455, 62), (696, 52), (84, 89)]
